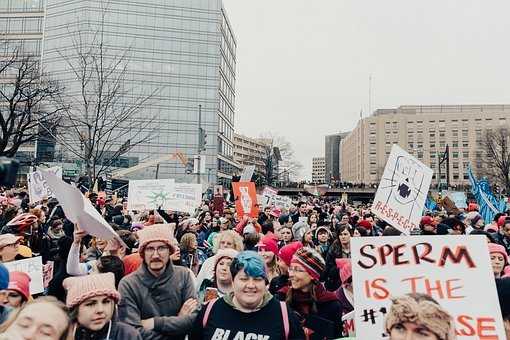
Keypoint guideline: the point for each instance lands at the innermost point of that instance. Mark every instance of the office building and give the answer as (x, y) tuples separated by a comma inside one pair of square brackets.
[(318, 170), (332, 157), (250, 151), (181, 51), (423, 131)]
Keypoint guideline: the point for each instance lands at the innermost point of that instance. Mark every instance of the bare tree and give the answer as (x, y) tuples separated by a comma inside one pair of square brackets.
[(497, 157), (103, 121), (279, 160), (27, 100)]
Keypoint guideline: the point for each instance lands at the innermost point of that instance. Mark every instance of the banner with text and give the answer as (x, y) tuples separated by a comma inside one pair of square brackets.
[(38, 188), (34, 268), (425, 282), (150, 194), (402, 192), (245, 196), (185, 198)]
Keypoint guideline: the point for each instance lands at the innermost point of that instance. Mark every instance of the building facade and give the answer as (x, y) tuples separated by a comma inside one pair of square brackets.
[(250, 151), (318, 170), (332, 157), (423, 131), (181, 51)]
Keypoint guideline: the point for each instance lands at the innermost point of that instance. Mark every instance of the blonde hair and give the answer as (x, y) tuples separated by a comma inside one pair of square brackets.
[(237, 240), (186, 241)]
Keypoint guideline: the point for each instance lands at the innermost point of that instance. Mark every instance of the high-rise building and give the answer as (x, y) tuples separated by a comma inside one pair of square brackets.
[(423, 131), (332, 157), (318, 170), (184, 51), (250, 151)]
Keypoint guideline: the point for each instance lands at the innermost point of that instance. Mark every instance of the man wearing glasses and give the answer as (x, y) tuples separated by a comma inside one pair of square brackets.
[(158, 299)]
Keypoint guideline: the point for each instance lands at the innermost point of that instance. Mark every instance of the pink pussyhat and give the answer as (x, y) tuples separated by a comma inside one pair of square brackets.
[(81, 288)]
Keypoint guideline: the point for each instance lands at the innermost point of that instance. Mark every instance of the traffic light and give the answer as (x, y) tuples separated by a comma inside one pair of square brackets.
[(202, 139), (189, 167)]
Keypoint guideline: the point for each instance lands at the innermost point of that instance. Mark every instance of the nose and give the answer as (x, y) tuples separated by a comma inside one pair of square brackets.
[(29, 333)]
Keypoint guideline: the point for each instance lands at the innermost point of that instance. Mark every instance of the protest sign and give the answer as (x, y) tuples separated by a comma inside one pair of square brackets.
[(348, 324), (185, 198), (150, 194), (48, 269), (247, 173), (449, 269), (79, 210), (34, 268), (402, 192), (459, 198), (245, 196), (282, 202), (218, 190), (268, 195), (38, 189)]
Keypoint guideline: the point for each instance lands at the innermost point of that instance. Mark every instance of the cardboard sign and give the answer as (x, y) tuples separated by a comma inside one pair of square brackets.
[(267, 197), (459, 198), (450, 269), (150, 194), (185, 198), (34, 268), (282, 202), (247, 173), (402, 192), (79, 210), (38, 189), (245, 196)]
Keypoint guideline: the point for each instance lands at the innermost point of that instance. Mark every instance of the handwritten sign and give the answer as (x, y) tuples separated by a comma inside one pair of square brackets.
[(402, 192), (387, 271), (38, 189), (34, 268), (247, 173), (185, 198), (150, 194)]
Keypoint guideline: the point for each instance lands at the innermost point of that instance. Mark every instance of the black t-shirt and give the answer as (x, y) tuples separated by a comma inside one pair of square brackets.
[(227, 323)]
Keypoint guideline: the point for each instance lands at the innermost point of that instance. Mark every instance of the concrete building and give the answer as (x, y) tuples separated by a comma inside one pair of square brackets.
[(184, 51), (423, 131), (318, 170), (250, 151), (332, 157)]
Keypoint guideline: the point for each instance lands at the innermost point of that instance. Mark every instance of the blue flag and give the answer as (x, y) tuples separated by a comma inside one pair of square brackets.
[(488, 203)]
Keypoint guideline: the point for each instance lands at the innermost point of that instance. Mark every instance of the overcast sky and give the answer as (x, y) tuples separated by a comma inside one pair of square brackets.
[(303, 66)]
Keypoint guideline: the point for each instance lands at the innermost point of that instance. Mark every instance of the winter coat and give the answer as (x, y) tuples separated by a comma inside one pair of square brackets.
[(118, 331), (144, 296)]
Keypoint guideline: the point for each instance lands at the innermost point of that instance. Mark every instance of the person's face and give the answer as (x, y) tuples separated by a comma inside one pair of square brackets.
[(9, 252), (224, 226), (313, 219), (11, 298), (207, 217), (223, 270), (308, 236), (344, 220), (506, 230), (411, 331), (370, 219), (298, 277), (248, 291), (498, 263), (193, 227), (323, 237), (456, 230), (345, 237), (267, 211), (429, 228), (156, 256), (41, 321), (302, 209), (94, 313), (268, 256), (356, 233), (193, 244), (286, 234), (101, 244), (226, 242)]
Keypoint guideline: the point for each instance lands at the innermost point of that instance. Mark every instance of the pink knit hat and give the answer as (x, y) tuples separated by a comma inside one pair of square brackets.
[(81, 288), (230, 253), (154, 233), (20, 282), (497, 248)]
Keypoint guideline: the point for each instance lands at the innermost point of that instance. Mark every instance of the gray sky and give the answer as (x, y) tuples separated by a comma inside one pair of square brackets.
[(303, 66)]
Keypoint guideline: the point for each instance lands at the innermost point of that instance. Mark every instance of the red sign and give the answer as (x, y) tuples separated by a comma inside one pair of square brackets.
[(245, 196)]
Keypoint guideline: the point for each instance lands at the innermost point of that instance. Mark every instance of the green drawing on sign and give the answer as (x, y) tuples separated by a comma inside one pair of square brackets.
[(158, 198)]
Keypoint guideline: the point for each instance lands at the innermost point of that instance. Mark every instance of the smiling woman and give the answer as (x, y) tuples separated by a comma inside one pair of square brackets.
[(92, 300)]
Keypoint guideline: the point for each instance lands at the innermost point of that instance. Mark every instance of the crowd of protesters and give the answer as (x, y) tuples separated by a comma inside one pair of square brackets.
[(213, 275)]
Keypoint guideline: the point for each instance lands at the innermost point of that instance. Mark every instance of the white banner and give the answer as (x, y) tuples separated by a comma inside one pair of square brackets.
[(268, 195), (38, 189), (34, 268), (401, 195), (282, 202), (451, 270), (185, 198), (247, 173), (150, 194)]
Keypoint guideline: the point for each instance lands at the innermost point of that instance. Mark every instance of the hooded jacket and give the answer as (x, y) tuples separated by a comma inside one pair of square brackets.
[(144, 296)]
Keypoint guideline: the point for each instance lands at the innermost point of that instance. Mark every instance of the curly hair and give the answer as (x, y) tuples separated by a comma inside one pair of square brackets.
[(237, 240)]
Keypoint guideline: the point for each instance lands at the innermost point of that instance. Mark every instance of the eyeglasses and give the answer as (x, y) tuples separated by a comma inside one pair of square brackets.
[(160, 250), (296, 270)]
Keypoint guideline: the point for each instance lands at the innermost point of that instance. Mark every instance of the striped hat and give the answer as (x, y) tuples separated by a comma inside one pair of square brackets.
[(311, 261)]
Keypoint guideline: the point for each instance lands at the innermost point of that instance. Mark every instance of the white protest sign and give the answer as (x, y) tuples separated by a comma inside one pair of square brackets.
[(247, 173), (79, 210), (38, 189), (459, 198), (282, 202), (34, 268), (402, 192), (150, 194), (450, 269), (185, 198), (268, 195)]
